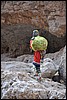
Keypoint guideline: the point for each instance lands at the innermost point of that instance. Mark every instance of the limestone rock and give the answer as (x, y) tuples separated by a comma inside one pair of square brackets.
[(17, 83), (49, 68), (62, 67), (46, 15), (60, 60), (20, 18)]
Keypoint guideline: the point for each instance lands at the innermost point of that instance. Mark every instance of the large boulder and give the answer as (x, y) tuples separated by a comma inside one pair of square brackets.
[(49, 68), (58, 64), (62, 67)]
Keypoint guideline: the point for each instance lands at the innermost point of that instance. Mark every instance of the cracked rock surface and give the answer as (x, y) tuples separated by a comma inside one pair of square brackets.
[(17, 82)]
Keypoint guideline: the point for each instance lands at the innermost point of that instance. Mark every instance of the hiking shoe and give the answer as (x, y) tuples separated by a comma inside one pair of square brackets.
[(36, 74), (39, 79)]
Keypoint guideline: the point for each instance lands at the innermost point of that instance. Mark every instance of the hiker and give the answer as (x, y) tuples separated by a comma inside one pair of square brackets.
[(38, 55)]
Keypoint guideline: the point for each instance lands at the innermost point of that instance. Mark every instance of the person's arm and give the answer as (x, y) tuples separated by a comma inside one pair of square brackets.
[(31, 44), (42, 55), (31, 51)]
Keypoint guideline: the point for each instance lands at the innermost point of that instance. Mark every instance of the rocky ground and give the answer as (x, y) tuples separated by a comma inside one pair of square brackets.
[(17, 81)]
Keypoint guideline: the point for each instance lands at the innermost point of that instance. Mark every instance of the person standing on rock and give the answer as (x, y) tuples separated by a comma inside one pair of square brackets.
[(37, 55)]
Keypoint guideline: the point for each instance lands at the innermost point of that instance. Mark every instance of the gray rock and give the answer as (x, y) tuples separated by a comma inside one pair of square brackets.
[(49, 68), (20, 85), (62, 67), (17, 81)]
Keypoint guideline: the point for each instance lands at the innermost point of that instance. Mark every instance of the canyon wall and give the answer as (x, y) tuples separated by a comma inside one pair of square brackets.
[(22, 17)]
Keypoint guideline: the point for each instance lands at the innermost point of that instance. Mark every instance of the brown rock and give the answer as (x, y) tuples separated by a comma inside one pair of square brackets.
[(49, 16)]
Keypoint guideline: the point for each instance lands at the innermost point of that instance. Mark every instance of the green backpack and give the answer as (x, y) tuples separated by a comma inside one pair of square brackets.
[(39, 43)]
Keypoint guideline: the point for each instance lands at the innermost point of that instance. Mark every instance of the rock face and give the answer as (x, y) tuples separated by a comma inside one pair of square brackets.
[(44, 14), (20, 18), (15, 39)]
